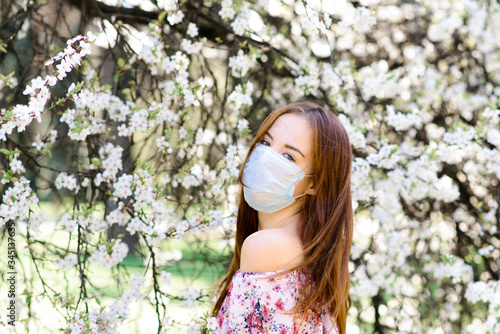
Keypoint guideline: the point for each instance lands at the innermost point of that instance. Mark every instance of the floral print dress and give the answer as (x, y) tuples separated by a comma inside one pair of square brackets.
[(257, 303)]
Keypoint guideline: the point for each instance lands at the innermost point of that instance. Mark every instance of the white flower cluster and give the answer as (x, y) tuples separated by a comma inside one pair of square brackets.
[(89, 222), (402, 122), (311, 22), (111, 160), (363, 285), (492, 158), (487, 292), (17, 200), (241, 22), (118, 216), (379, 83), (419, 178), (106, 320), (215, 218), (356, 137), (16, 166), (177, 62), (134, 225), (232, 161), (67, 262), (22, 115), (154, 235), (135, 291), (144, 193), (240, 64), (362, 190), (454, 268), (39, 144), (166, 277), (331, 78), (123, 186), (360, 20), (309, 81), (386, 157), (182, 227), (117, 109), (450, 154), (459, 137), (190, 180), (227, 11), (151, 52), (87, 119), (110, 256), (191, 47), (64, 180), (493, 137), (212, 323), (242, 124), (444, 189), (192, 30), (241, 96), (190, 296), (174, 13), (34, 223), (493, 115), (443, 30)]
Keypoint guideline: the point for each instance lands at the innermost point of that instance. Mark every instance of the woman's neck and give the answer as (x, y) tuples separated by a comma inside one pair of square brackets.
[(283, 218)]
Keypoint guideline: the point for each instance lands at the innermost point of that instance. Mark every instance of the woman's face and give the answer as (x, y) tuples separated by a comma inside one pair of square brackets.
[(291, 136)]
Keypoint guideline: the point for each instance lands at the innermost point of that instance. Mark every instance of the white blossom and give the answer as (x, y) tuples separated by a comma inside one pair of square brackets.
[(109, 256), (192, 30), (227, 11)]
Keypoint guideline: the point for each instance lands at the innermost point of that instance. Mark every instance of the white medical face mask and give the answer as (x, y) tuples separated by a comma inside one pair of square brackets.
[(269, 180)]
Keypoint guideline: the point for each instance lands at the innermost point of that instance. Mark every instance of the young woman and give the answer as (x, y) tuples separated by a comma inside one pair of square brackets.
[(289, 272)]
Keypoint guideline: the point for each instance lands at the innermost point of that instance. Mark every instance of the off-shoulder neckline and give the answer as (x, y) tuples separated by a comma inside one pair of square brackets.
[(268, 272)]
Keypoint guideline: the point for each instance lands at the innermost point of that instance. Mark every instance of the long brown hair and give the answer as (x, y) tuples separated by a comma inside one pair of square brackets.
[(326, 218)]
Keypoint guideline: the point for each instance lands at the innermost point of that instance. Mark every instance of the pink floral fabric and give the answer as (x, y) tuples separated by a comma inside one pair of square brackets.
[(257, 303)]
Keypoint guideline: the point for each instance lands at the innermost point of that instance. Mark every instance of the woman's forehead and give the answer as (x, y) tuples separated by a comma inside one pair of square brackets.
[(292, 127)]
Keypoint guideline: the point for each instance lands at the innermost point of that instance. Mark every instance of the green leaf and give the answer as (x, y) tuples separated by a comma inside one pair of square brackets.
[(7, 115), (2, 46), (4, 151), (161, 16), (120, 62)]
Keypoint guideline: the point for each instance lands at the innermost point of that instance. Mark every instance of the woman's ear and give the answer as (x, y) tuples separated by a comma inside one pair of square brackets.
[(311, 190)]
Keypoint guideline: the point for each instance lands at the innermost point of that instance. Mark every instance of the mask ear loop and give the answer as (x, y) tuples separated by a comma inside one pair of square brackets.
[(300, 195), (304, 193)]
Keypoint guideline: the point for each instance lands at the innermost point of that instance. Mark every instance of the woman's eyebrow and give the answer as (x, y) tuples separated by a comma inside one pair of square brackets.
[(295, 149), (286, 145)]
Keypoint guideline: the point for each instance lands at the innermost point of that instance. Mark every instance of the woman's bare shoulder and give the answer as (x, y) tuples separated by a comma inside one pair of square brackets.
[(270, 250)]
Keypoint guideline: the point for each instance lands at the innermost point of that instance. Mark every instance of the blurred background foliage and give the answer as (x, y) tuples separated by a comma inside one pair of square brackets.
[(423, 185)]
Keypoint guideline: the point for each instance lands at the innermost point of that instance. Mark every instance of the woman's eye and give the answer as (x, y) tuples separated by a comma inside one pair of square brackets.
[(289, 157), (264, 142)]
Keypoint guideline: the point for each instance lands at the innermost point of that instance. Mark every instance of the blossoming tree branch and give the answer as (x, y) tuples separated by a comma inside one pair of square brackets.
[(123, 126)]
